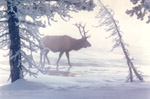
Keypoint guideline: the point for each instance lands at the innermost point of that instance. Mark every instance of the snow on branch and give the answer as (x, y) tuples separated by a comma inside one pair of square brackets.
[(106, 18), (33, 68), (38, 23), (49, 8), (79, 4), (141, 9), (32, 14)]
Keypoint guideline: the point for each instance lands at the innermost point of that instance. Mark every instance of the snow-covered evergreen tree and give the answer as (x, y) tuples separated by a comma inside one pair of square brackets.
[(141, 9), (106, 18), (20, 21)]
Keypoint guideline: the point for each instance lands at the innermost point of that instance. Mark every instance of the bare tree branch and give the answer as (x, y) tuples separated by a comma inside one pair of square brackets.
[(107, 19)]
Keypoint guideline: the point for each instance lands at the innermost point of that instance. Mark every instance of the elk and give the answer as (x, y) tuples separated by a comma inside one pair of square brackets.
[(64, 44)]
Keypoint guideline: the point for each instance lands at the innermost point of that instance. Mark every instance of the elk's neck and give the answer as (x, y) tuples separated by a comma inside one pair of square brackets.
[(78, 44)]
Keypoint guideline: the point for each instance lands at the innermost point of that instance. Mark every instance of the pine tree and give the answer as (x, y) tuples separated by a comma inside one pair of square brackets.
[(106, 18), (20, 21), (141, 9)]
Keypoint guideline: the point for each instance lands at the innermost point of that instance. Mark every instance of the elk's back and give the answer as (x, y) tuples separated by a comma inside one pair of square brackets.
[(58, 43)]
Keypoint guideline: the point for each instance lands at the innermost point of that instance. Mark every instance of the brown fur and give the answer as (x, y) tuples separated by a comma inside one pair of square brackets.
[(63, 44)]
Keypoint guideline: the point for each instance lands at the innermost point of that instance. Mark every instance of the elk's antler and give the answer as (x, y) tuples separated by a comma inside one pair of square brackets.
[(82, 31)]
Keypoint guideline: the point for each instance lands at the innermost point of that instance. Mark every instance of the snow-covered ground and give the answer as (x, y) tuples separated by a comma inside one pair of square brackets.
[(32, 90), (97, 75)]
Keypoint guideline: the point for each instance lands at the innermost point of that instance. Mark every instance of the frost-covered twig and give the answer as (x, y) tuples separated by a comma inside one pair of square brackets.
[(24, 17), (28, 59), (141, 9), (105, 16)]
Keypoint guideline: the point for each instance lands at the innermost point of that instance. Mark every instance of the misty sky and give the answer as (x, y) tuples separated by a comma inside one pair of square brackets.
[(135, 31)]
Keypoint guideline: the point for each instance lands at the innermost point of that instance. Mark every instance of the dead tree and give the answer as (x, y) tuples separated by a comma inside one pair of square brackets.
[(106, 19)]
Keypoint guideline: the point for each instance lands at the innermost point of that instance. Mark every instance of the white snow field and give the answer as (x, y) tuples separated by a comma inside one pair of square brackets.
[(93, 76)]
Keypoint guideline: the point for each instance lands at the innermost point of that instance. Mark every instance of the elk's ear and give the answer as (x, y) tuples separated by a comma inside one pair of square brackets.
[(88, 36)]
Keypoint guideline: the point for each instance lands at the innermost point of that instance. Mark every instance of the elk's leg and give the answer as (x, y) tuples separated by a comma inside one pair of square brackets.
[(41, 54), (68, 58), (42, 58), (46, 53), (60, 54)]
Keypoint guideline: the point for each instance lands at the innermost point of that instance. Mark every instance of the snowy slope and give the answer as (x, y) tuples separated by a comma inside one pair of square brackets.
[(69, 88)]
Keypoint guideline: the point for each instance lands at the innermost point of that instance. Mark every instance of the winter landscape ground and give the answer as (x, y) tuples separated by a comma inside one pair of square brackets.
[(91, 77)]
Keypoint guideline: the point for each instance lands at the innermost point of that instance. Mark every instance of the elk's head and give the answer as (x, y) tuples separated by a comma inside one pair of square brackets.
[(84, 42)]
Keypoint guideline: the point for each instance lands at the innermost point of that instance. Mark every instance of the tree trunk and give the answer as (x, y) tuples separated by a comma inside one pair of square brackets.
[(15, 45)]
